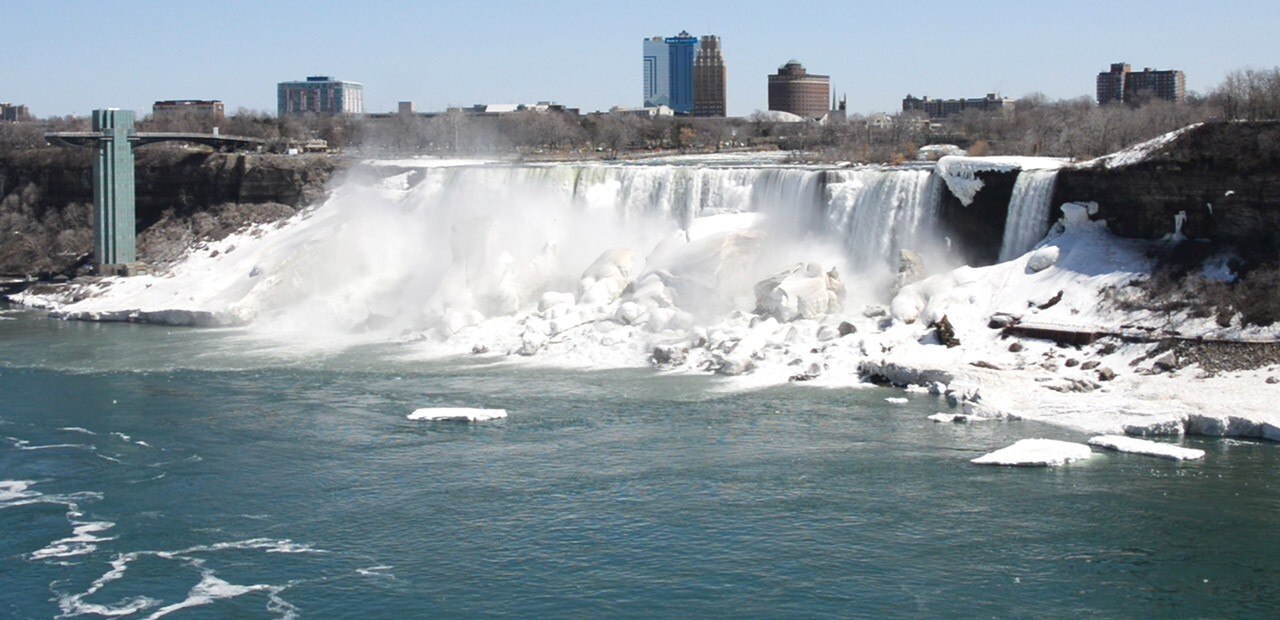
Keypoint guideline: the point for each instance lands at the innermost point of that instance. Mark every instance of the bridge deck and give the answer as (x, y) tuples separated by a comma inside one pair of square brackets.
[(88, 138)]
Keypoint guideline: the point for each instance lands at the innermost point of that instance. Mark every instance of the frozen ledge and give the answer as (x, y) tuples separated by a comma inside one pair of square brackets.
[(457, 414), (1036, 453), (1120, 443)]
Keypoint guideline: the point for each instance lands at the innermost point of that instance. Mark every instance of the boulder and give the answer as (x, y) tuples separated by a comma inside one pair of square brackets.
[(800, 292), (910, 269)]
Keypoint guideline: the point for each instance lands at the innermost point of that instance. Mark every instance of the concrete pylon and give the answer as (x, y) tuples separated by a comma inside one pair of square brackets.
[(113, 192)]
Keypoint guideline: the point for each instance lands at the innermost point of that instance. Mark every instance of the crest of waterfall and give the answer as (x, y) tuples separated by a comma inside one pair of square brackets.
[(873, 212), (1028, 215)]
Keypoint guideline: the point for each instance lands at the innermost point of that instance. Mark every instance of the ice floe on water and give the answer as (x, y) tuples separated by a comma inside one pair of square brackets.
[(457, 414), (1121, 443), (1036, 453)]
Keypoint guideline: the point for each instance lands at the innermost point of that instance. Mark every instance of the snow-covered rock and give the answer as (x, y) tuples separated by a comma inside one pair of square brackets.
[(801, 291), (1145, 447), (1042, 258), (457, 414), (1036, 453)]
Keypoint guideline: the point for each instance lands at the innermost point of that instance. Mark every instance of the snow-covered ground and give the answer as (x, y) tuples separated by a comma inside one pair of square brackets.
[(747, 296)]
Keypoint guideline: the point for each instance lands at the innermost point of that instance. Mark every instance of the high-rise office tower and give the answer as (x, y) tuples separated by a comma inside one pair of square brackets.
[(681, 49), (709, 78), (657, 76)]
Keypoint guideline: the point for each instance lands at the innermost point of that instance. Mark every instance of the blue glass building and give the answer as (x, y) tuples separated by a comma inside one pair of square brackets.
[(681, 50)]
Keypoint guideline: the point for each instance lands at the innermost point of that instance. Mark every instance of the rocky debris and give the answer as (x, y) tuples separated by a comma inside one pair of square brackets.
[(1106, 374), (669, 355), (958, 418), (946, 333), (812, 372), (479, 349), (985, 364), (1053, 301), (1165, 363), (1016, 347), (1090, 365), (845, 328), (873, 312), (1071, 362), (910, 270), (1215, 357), (1001, 320), (1073, 385), (1107, 348), (733, 366), (1272, 380)]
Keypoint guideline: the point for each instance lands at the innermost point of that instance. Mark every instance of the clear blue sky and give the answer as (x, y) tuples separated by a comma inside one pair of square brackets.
[(70, 57)]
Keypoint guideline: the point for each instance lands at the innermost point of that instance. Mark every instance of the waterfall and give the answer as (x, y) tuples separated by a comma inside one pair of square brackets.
[(878, 211), (873, 212), (1028, 215)]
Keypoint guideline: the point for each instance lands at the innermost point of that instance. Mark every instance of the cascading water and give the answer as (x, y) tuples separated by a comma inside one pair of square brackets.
[(509, 257), (1028, 214), (880, 211)]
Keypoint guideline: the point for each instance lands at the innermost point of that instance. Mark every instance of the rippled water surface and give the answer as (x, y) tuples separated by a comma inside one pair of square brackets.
[(147, 471)]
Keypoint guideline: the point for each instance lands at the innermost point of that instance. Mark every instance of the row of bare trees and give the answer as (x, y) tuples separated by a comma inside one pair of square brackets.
[(1066, 128)]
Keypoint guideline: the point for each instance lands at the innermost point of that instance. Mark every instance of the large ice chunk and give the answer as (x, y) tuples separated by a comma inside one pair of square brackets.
[(1146, 447), (457, 414), (1036, 453)]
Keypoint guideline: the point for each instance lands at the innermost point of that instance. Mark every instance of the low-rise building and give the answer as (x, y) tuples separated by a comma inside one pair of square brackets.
[(201, 109), (320, 95), (11, 113), (1121, 84), (942, 108)]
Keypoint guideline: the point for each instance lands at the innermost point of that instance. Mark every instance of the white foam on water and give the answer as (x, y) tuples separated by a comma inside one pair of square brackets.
[(77, 429), (209, 589), (83, 540)]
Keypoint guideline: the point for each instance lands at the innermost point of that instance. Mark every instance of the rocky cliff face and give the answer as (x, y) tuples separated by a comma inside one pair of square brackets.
[(44, 196), (167, 178), (976, 230), (1221, 180)]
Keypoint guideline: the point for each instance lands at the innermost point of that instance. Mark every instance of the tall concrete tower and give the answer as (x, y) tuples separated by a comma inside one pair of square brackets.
[(709, 78)]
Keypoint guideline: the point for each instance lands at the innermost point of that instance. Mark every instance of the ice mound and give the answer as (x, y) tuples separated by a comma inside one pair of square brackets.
[(1146, 447), (1036, 453), (457, 414)]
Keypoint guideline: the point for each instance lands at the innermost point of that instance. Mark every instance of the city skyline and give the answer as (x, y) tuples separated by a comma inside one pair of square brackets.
[(440, 55)]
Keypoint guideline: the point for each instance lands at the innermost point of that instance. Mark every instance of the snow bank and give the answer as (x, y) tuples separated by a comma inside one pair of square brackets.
[(1036, 453), (457, 414), (1145, 447), (1137, 153)]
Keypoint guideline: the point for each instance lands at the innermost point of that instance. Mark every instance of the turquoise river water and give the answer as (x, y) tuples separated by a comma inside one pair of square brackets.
[(149, 471)]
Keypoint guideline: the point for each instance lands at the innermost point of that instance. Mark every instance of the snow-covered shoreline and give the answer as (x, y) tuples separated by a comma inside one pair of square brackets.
[(742, 295)]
